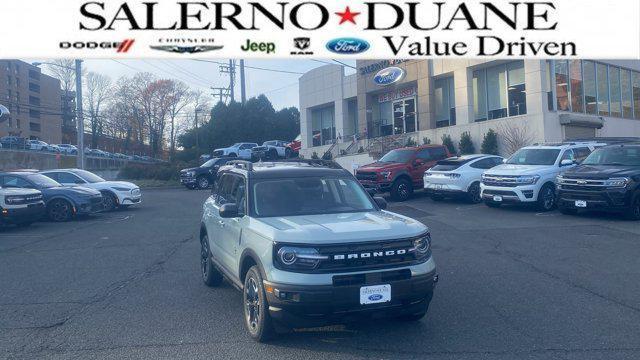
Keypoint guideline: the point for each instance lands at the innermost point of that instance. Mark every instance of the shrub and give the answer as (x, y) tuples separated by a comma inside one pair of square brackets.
[(327, 156), (314, 156), (446, 141), (411, 142), (490, 143), (360, 150), (163, 172), (426, 141), (466, 144)]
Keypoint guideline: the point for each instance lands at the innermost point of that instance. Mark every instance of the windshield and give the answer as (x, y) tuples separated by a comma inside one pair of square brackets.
[(236, 145), (398, 156), (623, 156), (309, 196), (269, 143), (89, 176), (534, 157), (42, 181)]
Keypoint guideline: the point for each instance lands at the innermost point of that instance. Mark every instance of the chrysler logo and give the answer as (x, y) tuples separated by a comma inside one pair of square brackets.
[(186, 49)]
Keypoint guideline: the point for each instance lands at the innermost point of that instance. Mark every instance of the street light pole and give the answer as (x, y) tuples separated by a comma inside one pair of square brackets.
[(79, 115)]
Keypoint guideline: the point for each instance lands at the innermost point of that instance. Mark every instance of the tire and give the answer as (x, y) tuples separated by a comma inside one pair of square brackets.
[(492, 204), (273, 154), (568, 211), (203, 182), (109, 201), (256, 309), (401, 190), (437, 197), (233, 155), (634, 212), (473, 193), (210, 275), (546, 198), (288, 153), (59, 211)]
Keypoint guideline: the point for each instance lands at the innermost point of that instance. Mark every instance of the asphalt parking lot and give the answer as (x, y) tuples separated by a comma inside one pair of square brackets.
[(514, 284)]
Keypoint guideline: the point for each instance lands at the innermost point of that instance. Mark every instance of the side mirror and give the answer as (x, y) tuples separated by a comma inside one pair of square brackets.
[(229, 211), (567, 162), (372, 191), (418, 162), (382, 203)]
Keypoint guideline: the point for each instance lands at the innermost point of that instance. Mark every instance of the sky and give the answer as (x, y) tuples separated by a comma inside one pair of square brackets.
[(281, 88)]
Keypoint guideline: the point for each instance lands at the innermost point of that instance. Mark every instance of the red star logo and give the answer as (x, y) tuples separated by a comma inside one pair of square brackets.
[(347, 15)]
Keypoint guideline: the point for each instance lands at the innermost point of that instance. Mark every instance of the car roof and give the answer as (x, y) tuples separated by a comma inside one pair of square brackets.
[(419, 147), (284, 169)]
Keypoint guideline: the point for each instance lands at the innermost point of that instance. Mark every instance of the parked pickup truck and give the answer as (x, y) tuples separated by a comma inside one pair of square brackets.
[(401, 171)]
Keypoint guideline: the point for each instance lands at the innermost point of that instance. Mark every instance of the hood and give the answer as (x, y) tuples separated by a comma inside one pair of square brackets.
[(602, 171), (121, 184), (379, 166), (347, 227), (188, 169), (15, 191), (511, 169)]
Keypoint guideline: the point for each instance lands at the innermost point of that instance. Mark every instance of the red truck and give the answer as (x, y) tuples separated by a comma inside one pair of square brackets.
[(401, 171)]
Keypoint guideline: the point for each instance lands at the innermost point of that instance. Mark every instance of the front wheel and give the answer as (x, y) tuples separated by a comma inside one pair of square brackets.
[(473, 193), (401, 190), (634, 212), (256, 309), (546, 198), (203, 182), (288, 153), (109, 201), (210, 275), (59, 211)]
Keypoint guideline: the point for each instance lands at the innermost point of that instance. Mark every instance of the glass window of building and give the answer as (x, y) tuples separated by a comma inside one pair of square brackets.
[(323, 125), (386, 123), (636, 94), (614, 91), (562, 85), (445, 106), (480, 95), (577, 94), (497, 92), (603, 89), (590, 89), (627, 99), (516, 91)]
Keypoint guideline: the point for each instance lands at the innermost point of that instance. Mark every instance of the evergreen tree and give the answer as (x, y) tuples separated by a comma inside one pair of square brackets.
[(490, 143), (466, 144), (446, 141)]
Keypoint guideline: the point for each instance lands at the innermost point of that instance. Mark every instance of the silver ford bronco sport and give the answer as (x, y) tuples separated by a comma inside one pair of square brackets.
[(308, 246)]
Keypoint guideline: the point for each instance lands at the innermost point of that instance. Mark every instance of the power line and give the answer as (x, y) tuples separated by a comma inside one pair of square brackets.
[(253, 67)]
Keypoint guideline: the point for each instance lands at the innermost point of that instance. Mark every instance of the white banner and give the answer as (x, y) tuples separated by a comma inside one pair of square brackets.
[(320, 29)]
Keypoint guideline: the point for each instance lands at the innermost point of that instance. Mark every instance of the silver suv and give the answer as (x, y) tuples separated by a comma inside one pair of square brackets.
[(308, 246)]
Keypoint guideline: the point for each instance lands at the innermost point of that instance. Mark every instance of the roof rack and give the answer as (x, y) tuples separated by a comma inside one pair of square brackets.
[(313, 162), (610, 140), (241, 164)]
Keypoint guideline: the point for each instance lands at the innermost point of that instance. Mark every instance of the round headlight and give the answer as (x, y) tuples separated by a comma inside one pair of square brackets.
[(423, 244), (287, 255)]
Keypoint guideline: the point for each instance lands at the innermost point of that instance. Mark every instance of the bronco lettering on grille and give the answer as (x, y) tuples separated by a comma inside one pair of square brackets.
[(370, 254)]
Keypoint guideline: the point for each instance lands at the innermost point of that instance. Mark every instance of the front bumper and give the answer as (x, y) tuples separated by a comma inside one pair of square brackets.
[(511, 195), (381, 187), (129, 197), (30, 213), (318, 305), (611, 199), (188, 180), (89, 206)]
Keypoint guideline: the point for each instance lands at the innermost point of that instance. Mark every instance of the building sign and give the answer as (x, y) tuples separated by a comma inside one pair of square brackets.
[(399, 94), (388, 76), (380, 65)]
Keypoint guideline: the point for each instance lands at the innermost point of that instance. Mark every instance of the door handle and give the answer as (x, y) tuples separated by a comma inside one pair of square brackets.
[(221, 223)]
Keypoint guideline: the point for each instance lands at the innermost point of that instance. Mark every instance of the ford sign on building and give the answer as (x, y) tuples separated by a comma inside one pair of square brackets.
[(388, 76), (348, 46)]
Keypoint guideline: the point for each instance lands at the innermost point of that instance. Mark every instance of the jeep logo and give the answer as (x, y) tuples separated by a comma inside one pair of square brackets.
[(371, 254), (265, 47)]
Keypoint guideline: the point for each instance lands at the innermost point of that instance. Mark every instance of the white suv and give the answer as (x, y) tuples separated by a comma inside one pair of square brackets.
[(239, 150), (529, 175)]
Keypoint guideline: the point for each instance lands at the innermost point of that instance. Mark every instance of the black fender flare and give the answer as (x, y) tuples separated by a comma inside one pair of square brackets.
[(402, 174), (249, 254)]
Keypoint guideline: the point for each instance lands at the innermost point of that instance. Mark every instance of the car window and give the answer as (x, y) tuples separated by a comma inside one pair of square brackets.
[(581, 153), (486, 163), (239, 194), (438, 153), (568, 155), (228, 191), (16, 182), (53, 175), (424, 154), (67, 178)]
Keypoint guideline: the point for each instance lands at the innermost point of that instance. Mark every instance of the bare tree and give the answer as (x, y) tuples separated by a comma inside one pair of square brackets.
[(98, 91), (514, 136), (179, 98), (64, 70)]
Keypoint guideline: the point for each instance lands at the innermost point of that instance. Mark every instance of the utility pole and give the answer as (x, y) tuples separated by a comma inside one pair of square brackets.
[(231, 70), (243, 92), (197, 132), (79, 116), (220, 93)]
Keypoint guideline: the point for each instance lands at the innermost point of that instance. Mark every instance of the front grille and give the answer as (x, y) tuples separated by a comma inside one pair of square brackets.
[(376, 259), (499, 192), (371, 278), (367, 176), (500, 180), (32, 199), (259, 148)]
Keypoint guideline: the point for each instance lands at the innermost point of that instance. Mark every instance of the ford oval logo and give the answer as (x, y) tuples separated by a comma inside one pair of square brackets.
[(375, 297), (348, 46), (388, 76)]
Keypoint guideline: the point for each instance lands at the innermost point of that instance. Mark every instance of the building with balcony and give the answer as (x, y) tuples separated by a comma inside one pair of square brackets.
[(386, 102), (34, 101)]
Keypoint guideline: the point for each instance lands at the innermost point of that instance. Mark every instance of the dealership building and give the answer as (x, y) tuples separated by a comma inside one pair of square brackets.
[(386, 103)]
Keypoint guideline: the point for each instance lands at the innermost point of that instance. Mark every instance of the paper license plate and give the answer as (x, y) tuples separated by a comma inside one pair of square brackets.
[(375, 294), (497, 198), (581, 203)]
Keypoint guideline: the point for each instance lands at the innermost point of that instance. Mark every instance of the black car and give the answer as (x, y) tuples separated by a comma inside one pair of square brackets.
[(204, 176), (607, 180), (62, 202)]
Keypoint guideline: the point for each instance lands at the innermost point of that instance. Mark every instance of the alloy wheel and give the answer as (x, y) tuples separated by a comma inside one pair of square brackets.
[(403, 191), (548, 198), (252, 304), (203, 183), (108, 202), (59, 211), (474, 192)]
